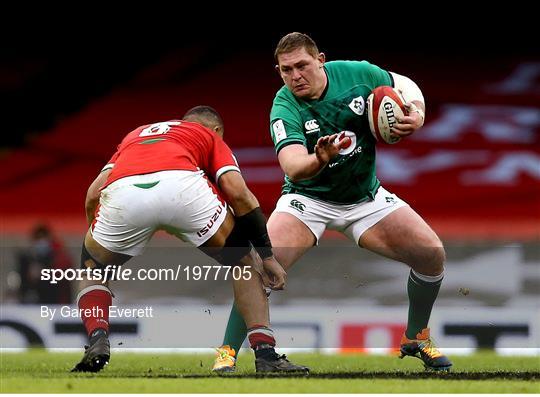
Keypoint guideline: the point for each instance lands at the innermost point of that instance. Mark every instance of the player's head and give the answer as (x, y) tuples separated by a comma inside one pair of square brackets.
[(207, 116), (300, 65)]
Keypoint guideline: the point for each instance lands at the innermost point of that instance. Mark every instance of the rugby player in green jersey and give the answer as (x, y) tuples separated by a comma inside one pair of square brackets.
[(321, 134)]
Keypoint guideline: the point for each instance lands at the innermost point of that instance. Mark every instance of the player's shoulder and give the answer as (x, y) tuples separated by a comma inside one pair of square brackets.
[(347, 65), (194, 127), (344, 73), (283, 94), (134, 134), (284, 99)]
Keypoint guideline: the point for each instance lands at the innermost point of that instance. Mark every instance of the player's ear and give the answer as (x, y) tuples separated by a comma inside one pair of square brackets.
[(322, 59), (218, 130), (277, 69)]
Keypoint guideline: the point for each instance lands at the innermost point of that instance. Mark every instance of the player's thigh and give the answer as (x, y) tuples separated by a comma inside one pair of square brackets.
[(219, 238), (99, 258), (192, 210), (102, 254), (404, 236), (290, 237), (126, 218)]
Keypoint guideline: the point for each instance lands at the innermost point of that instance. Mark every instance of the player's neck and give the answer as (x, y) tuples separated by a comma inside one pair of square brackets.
[(321, 92)]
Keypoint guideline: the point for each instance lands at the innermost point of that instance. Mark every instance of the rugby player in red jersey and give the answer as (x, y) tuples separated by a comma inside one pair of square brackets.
[(166, 176)]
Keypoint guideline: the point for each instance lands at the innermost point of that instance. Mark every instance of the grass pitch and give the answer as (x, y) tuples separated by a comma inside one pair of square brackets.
[(43, 372)]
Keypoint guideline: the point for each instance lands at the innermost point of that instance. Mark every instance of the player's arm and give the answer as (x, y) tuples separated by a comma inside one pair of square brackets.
[(93, 193), (415, 105), (251, 221), (299, 165), (287, 134), (237, 194)]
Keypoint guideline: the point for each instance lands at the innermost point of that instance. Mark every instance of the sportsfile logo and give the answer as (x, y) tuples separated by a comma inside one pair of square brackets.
[(297, 205), (311, 126)]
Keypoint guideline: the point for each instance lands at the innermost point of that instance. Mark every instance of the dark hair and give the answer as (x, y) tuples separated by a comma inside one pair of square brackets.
[(205, 115), (293, 41)]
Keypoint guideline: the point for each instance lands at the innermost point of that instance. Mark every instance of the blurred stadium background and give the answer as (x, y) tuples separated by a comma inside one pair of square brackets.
[(473, 173)]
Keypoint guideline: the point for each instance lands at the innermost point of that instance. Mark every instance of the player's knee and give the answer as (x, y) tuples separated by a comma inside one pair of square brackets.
[(88, 261), (438, 259), (432, 261), (428, 258)]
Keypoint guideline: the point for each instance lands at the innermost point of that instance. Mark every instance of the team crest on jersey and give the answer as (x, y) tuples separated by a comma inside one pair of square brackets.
[(311, 126), (358, 105)]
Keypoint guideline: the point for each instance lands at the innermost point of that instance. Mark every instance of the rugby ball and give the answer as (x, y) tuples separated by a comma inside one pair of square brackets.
[(384, 105)]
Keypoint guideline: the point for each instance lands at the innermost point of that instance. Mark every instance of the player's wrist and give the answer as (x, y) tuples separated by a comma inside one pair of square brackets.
[(417, 109), (321, 160), (270, 258), (421, 113), (253, 225)]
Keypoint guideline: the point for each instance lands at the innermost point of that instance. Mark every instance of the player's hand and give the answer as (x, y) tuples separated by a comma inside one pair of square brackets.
[(274, 276), (327, 147), (408, 124)]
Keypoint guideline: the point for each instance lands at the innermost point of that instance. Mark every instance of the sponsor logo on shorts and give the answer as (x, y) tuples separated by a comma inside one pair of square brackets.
[(390, 199), (298, 205), (210, 223)]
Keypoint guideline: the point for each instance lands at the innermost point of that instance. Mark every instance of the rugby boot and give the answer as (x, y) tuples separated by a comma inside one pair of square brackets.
[(278, 363), (96, 355), (424, 349), (225, 361)]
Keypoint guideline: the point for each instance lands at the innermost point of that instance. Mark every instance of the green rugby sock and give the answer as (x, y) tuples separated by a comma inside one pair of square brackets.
[(423, 291), (236, 330)]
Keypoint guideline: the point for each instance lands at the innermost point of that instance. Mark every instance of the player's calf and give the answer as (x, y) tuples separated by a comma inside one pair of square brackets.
[(93, 302)]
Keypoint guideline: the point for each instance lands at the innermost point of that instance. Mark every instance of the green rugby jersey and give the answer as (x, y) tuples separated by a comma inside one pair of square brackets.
[(350, 176)]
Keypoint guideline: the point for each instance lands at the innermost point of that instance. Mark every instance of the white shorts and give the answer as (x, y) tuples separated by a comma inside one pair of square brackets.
[(131, 209), (350, 219)]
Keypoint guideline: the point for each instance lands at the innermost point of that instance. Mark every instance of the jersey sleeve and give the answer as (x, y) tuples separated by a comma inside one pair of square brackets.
[(221, 159), (285, 124), (372, 74)]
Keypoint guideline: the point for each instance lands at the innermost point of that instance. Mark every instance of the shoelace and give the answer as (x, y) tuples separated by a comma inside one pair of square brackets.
[(429, 348), (223, 353)]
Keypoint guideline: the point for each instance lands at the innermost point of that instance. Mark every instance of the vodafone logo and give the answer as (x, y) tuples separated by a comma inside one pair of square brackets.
[(351, 146)]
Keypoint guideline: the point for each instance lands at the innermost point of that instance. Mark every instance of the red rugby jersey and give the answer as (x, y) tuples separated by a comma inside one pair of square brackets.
[(171, 145)]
